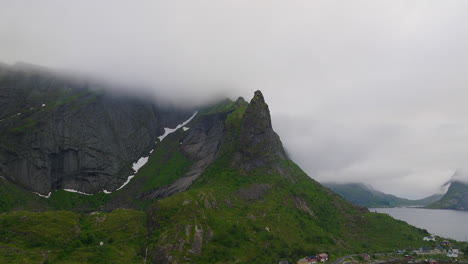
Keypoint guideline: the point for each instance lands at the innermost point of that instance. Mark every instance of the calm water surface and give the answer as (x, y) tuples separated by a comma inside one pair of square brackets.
[(445, 223)]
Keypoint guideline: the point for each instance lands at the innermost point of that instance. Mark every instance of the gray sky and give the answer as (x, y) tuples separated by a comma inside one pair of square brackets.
[(370, 91)]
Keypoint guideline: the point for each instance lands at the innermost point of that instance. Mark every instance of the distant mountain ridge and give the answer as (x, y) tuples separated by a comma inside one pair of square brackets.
[(364, 195), (455, 198)]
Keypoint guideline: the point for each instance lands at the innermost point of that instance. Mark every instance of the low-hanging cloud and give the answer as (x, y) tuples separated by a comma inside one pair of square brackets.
[(359, 90), (460, 175)]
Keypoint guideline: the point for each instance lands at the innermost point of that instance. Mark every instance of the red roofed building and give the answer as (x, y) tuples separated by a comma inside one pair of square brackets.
[(322, 257)]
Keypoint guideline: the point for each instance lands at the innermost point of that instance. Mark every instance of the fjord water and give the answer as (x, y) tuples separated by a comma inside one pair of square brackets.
[(446, 223)]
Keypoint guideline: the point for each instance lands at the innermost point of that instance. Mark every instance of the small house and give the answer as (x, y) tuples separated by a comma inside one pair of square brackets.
[(453, 249), (283, 262), (322, 257), (438, 249), (424, 250), (445, 243), (366, 256)]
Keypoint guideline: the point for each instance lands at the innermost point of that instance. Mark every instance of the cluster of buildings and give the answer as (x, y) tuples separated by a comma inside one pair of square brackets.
[(313, 259), (441, 248)]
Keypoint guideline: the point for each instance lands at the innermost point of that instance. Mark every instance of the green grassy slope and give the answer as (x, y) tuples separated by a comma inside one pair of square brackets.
[(13, 197), (67, 237)]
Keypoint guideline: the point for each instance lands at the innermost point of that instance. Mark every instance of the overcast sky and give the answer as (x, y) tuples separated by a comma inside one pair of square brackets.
[(370, 91)]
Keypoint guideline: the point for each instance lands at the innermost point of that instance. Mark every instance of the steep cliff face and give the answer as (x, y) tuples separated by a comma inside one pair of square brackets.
[(61, 133), (200, 146), (259, 146)]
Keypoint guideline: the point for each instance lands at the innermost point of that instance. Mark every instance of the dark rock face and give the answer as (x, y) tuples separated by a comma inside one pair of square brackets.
[(201, 146), (61, 133), (259, 145)]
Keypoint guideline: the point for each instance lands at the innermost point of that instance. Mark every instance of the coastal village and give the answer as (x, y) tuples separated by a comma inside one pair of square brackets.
[(435, 251)]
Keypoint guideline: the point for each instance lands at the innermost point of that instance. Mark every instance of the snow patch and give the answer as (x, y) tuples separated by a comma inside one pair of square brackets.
[(43, 105), (101, 243), (137, 165), (44, 196), (168, 131), (186, 128), (126, 182), (18, 114), (75, 191), (143, 160)]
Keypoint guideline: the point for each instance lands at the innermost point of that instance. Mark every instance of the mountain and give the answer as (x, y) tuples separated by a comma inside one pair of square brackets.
[(363, 195), (59, 132), (219, 188), (455, 198)]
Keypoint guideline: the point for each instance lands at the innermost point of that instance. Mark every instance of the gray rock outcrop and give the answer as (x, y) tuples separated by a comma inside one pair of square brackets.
[(58, 132)]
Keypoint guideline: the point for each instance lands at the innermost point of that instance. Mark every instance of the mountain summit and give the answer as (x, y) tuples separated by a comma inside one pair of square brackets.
[(259, 145)]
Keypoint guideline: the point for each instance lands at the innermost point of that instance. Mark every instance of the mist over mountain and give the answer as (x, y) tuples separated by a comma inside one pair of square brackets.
[(456, 196), (92, 177), (55, 131)]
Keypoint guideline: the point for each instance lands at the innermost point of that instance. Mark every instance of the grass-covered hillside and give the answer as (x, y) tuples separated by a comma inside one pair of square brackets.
[(68, 237), (245, 202)]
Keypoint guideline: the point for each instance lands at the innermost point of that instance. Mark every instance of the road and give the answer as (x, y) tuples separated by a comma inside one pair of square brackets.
[(345, 257)]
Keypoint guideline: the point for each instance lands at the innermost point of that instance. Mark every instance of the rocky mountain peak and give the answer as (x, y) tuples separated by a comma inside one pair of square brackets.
[(257, 119), (258, 97), (240, 100), (259, 146)]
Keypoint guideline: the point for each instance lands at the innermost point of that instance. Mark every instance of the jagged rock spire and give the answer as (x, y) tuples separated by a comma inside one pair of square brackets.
[(259, 145)]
